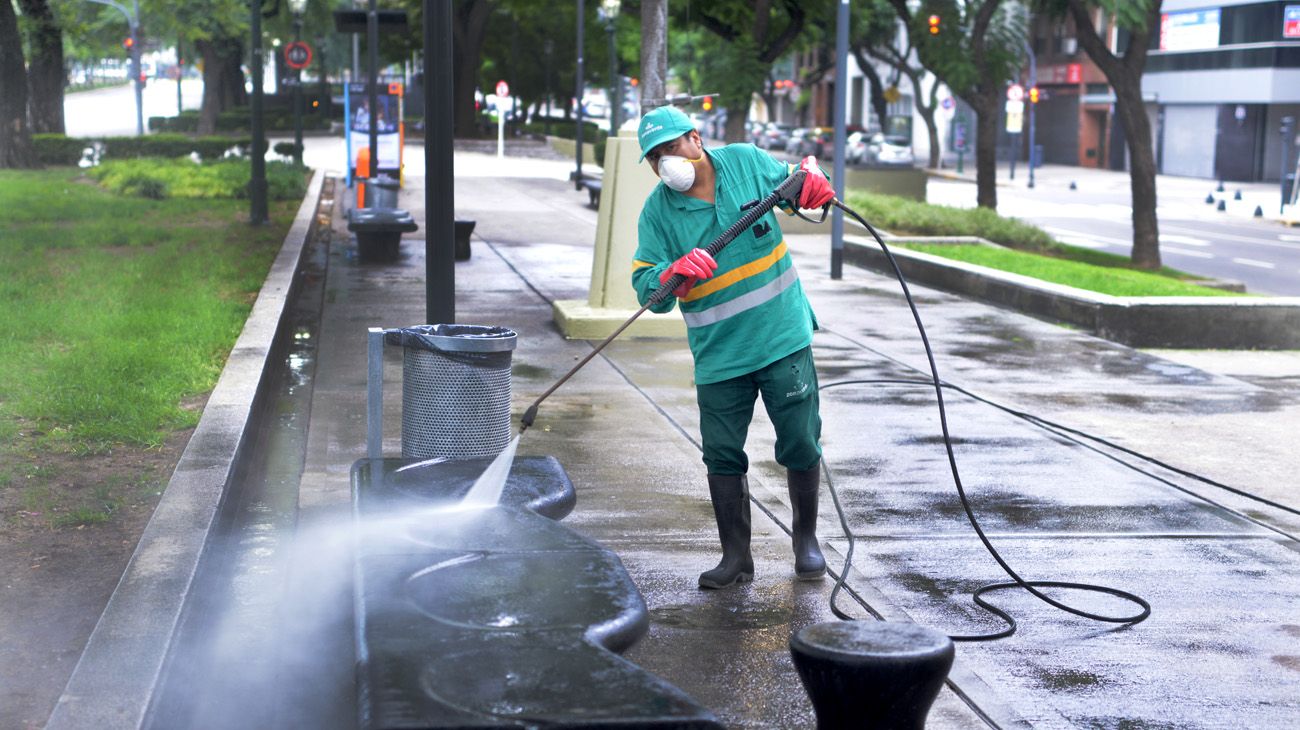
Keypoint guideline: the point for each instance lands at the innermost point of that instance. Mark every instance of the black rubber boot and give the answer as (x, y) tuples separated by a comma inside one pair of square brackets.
[(804, 489), (730, 495)]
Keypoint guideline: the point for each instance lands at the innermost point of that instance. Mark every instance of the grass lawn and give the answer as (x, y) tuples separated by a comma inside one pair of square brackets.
[(1114, 280), (116, 317), (1035, 253)]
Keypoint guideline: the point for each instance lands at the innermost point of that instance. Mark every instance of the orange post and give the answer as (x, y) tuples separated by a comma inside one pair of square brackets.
[(363, 172)]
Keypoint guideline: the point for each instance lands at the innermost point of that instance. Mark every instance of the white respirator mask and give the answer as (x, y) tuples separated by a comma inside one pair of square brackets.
[(678, 172)]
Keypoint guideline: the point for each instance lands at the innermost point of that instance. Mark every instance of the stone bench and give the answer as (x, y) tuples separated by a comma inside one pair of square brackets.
[(494, 616), (379, 231)]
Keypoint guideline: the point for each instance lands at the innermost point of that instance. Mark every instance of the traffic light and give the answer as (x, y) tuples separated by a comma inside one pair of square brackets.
[(634, 82), (708, 103), (1033, 95), (934, 25), (128, 43)]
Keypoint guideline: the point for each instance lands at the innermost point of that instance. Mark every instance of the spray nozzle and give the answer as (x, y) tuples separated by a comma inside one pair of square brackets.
[(527, 420)]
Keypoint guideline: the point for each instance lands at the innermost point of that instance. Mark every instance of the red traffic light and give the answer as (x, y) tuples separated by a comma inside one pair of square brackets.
[(708, 103), (128, 43), (634, 82), (934, 25), (1033, 95)]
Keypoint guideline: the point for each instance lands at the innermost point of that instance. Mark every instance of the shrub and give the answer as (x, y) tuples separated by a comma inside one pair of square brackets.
[(58, 149), (183, 178), (287, 149)]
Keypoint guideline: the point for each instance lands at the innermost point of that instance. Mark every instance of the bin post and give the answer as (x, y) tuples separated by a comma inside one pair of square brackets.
[(375, 393)]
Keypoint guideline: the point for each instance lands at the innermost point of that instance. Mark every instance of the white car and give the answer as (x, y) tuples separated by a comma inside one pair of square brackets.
[(888, 151)]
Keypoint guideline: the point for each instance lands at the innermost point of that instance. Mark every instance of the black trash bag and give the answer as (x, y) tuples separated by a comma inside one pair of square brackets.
[(467, 343)]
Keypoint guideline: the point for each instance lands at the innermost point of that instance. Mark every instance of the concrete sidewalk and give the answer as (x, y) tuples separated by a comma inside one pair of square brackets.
[(1222, 572)]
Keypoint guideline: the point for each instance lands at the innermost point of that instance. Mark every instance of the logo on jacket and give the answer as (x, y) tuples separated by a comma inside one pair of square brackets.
[(761, 229)]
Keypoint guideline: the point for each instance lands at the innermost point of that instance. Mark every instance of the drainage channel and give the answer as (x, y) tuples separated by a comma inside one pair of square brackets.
[(224, 667)]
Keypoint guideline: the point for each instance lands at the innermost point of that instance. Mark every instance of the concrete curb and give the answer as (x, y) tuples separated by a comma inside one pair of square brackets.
[(114, 681), (1241, 323)]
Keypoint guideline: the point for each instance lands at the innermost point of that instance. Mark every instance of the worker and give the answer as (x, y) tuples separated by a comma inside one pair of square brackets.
[(748, 322)]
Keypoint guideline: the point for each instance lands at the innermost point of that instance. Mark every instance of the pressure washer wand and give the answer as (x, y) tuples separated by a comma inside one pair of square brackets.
[(788, 190)]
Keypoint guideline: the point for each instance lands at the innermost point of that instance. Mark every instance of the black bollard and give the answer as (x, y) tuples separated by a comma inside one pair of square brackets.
[(1073, 185), (1237, 195), (1259, 211), (1209, 198), (871, 674), (1223, 205)]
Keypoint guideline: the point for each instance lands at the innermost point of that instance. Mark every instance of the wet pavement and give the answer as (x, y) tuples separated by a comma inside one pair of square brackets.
[(1221, 570)]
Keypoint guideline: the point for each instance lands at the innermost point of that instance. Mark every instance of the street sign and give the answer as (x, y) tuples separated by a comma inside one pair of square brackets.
[(1291, 21), (297, 55), (1015, 116), (1015, 92), (503, 89), (947, 102), (892, 94)]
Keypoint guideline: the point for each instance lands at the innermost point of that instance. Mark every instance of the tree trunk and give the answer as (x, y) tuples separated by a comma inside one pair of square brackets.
[(654, 50), (986, 148), (15, 138), (932, 130), (735, 130), (218, 95), (46, 75), (469, 25), (1142, 170), (877, 100)]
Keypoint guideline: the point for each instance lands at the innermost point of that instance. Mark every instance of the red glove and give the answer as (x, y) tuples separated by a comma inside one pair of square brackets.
[(696, 265), (816, 192)]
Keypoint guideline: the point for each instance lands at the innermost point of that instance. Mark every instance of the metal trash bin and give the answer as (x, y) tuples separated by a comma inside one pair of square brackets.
[(455, 389)]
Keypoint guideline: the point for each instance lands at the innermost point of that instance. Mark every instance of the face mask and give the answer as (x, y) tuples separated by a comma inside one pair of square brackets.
[(678, 172)]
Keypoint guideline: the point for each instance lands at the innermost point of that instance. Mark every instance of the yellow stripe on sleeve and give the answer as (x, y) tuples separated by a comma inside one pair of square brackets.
[(757, 266)]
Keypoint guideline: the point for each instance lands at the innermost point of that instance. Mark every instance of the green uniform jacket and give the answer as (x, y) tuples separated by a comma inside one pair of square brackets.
[(752, 311)]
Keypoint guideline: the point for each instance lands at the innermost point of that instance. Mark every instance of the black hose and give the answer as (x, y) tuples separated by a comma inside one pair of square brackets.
[(1019, 582)]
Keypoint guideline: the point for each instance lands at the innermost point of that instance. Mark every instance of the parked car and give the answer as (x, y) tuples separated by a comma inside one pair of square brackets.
[(775, 136), (888, 151), (855, 148), (795, 139), (817, 141)]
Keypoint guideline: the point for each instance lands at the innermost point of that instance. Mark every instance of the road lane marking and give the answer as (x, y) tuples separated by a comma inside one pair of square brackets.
[(1285, 237), (1188, 240), (1255, 263), (1186, 252), (1234, 237)]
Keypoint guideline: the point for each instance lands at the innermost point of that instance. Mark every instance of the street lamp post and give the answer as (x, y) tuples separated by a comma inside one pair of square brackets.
[(577, 132), (609, 13), (297, 7), (257, 206)]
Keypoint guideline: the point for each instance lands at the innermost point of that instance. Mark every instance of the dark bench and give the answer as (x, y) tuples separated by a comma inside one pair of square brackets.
[(379, 231), (592, 186), (498, 616)]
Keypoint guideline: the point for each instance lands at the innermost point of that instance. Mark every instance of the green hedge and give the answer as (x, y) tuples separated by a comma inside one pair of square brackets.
[(236, 120), (57, 149)]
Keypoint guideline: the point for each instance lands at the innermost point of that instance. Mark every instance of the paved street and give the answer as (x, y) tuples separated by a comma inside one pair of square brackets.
[(111, 111), (1194, 236)]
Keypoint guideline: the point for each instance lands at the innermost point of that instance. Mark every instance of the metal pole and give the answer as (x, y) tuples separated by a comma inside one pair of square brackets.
[(180, 74), (439, 188), (372, 89), (136, 69), (614, 92), (577, 173), (297, 97), (257, 210), (1033, 84), (841, 89)]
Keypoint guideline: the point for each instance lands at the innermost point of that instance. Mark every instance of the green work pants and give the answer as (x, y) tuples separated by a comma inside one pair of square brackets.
[(789, 389)]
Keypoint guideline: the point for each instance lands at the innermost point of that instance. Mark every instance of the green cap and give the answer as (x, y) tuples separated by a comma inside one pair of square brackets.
[(662, 125)]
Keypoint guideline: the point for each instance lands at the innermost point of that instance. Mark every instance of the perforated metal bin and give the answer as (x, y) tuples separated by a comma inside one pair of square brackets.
[(455, 390)]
